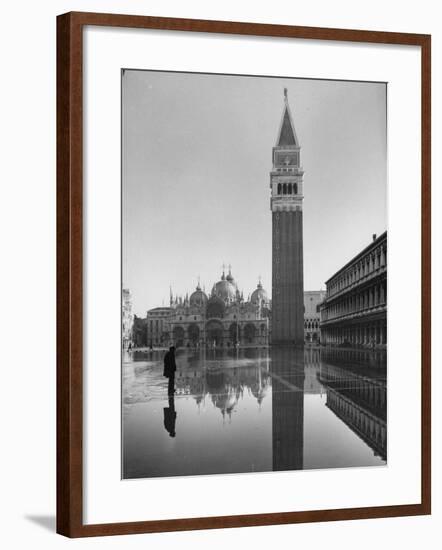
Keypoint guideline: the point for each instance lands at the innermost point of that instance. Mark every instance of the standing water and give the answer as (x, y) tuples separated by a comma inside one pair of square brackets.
[(253, 410)]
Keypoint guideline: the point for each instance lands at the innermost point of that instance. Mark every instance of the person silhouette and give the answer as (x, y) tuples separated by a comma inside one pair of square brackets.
[(170, 417), (169, 369)]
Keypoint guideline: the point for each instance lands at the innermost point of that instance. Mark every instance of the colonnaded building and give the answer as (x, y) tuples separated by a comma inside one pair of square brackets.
[(354, 312), (224, 318)]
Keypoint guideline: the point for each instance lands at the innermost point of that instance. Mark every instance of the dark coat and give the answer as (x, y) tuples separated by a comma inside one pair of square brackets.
[(169, 364)]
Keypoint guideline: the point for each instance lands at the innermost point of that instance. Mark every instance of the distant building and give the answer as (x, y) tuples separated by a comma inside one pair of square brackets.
[(312, 315), (222, 318), (139, 332), (354, 312), (158, 326), (127, 318)]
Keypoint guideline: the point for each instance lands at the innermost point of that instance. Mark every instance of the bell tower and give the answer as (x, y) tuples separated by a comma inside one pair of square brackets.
[(286, 184)]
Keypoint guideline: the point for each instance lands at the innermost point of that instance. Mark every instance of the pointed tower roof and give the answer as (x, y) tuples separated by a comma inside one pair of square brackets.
[(287, 135)]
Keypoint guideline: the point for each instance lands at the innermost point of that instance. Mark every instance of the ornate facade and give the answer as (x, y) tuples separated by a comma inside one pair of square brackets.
[(354, 312), (221, 319), (312, 315)]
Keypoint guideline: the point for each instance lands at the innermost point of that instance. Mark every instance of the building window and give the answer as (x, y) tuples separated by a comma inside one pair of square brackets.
[(279, 188)]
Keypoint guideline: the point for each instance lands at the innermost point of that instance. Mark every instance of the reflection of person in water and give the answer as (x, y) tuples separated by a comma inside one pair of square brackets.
[(169, 369), (170, 417)]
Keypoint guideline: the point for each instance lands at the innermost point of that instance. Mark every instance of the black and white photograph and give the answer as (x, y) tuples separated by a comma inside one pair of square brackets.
[(200, 201), (254, 274)]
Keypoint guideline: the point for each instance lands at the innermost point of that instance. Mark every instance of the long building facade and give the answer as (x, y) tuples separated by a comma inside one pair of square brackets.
[(286, 184), (220, 319), (354, 311)]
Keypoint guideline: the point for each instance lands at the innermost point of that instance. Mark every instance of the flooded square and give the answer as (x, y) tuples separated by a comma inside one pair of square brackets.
[(253, 410)]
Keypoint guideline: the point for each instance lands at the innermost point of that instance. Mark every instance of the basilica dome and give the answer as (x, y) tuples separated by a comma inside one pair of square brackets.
[(259, 295), (225, 289), (198, 298)]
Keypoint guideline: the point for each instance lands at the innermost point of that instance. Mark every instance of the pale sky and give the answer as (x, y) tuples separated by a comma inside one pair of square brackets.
[(197, 153)]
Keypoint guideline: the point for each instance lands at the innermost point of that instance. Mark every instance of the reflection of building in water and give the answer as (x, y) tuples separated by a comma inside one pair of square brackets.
[(287, 372), (312, 315), (127, 318), (221, 381), (361, 358), (354, 311), (312, 359), (357, 394)]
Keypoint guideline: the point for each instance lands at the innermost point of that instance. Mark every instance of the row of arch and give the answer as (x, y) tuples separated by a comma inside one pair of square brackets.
[(287, 188), (369, 425), (214, 333), (367, 265), (311, 324), (367, 298)]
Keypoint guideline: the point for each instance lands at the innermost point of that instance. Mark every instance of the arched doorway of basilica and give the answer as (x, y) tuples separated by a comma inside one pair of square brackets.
[(249, 333), (214, 333), (178, 336), (193, 334)]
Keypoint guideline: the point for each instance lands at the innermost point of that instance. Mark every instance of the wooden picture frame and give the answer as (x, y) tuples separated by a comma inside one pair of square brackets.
[(70, 268)]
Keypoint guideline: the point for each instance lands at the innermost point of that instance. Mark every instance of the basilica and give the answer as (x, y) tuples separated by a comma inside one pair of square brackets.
[(221, 318), (224, 318)]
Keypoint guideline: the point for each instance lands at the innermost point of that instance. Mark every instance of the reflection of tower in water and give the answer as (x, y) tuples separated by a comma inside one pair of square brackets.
[(287, 372)]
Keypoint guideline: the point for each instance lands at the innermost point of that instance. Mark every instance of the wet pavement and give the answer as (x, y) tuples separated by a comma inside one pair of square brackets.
[(253, 410)]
